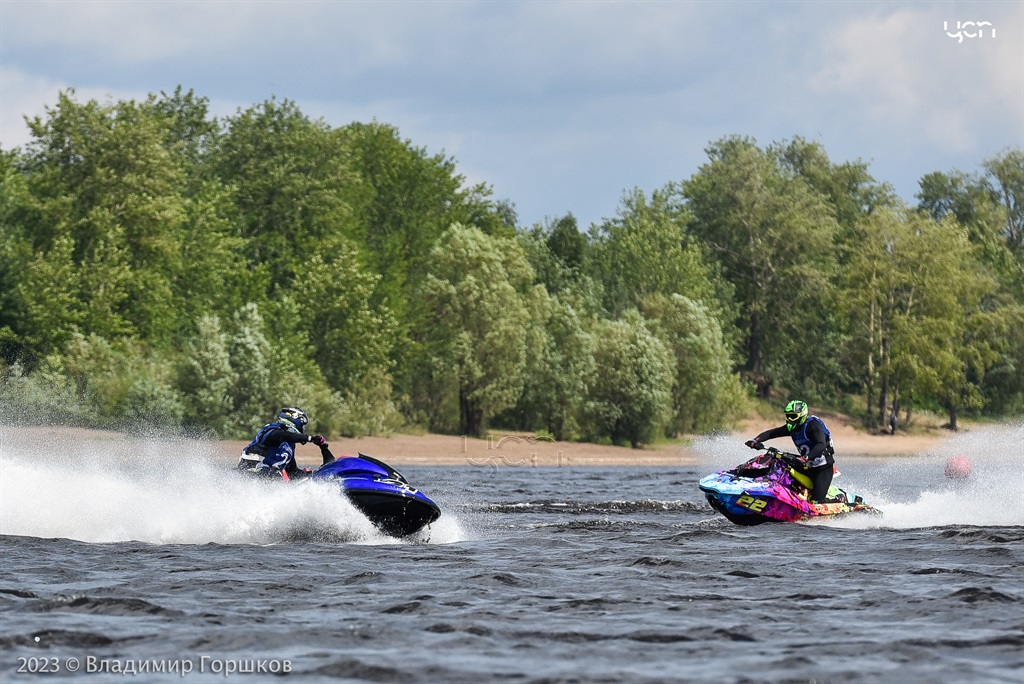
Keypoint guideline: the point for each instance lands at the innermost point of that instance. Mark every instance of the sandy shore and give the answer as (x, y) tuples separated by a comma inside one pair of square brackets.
[(502, 449), (510, 449), (856, 442)]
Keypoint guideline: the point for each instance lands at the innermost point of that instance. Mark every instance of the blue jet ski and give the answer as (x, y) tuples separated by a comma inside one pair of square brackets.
[(381, 493)]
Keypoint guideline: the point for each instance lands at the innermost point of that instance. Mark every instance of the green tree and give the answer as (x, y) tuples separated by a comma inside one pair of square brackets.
[(558, 260), (113, 384), (104, 176), (973, 203), (924, 324), (989, 207), (408, 197), (848, 187), (293, 185), (630, 399), (568, 244), (207, 378), (772, 234), (250, 353), (559, 369), (152, 399), (192, 133), (706, 394), (15, 254), (1006, 178), (350, 335), (39, 398), (215, 276), (47, 303), (153, 235), (475, 341), (646, 250)]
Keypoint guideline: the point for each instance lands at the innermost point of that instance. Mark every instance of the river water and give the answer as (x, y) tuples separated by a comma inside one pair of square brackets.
[(141, 560)]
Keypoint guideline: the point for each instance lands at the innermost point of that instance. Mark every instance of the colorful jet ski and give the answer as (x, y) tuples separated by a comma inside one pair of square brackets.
[(769, 488)]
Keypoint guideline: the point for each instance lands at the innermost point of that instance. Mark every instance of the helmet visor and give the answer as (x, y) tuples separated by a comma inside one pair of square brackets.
[(295, 416)]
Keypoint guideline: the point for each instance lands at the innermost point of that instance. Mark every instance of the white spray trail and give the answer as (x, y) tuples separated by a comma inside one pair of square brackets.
[(913, 491), (926, 497), (103, 488)]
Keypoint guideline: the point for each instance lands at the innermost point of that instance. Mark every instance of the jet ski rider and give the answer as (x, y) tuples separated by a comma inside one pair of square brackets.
[(812, 440), (271, 453)]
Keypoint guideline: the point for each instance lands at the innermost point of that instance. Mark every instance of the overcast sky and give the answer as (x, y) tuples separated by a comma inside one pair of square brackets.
[(559, 106)]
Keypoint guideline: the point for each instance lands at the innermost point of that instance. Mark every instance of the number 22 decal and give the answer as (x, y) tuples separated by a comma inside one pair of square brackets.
[(747, 501)]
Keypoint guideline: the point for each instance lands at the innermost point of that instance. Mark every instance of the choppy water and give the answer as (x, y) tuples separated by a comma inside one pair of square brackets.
[(532, 574)]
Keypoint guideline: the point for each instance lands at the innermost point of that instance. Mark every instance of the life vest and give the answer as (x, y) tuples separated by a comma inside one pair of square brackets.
[(257, 446), (278, 456), (804, 444)]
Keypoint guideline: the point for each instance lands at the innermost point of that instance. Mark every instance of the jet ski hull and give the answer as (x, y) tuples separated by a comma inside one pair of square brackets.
[(396, 514), (381, 493), (764, 490)]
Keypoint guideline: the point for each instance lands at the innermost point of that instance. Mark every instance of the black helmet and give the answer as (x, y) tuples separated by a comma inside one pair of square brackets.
[(294, 418)]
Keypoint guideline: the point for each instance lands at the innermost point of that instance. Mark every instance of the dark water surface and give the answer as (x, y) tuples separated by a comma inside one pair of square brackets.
[(532, 575)]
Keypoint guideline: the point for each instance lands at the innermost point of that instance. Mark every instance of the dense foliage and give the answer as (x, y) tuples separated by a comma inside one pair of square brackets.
[(160, 267)]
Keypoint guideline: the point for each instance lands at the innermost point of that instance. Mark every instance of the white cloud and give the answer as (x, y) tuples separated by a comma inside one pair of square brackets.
[(909, 79), (24, 95), (21, 96), (874, 58), (130, 32), (560, 105)]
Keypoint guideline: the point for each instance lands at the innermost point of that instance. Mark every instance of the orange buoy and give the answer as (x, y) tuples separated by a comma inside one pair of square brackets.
[(959, 468)]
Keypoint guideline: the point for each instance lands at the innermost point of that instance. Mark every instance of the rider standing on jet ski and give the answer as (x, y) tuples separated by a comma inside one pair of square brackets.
[(271, 453), (812, 440)]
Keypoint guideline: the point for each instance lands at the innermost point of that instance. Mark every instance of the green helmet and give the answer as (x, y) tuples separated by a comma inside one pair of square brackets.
[(796, 414)]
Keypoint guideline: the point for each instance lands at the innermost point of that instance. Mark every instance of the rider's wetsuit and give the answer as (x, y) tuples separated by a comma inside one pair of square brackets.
[(813, 441), (276, 444)]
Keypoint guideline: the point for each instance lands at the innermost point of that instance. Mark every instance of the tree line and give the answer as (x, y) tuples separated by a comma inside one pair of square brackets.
[(161, 267)]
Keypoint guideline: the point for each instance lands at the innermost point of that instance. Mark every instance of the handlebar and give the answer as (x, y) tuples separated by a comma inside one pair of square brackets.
[(784, 455)]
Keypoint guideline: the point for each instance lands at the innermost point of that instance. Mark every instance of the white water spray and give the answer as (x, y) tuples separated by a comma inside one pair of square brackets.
[(96, 487), (916, 492), (913, 491)]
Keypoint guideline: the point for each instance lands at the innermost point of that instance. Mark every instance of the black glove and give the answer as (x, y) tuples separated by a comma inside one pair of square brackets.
[(319, 441), (793, 460), (754, 444)]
